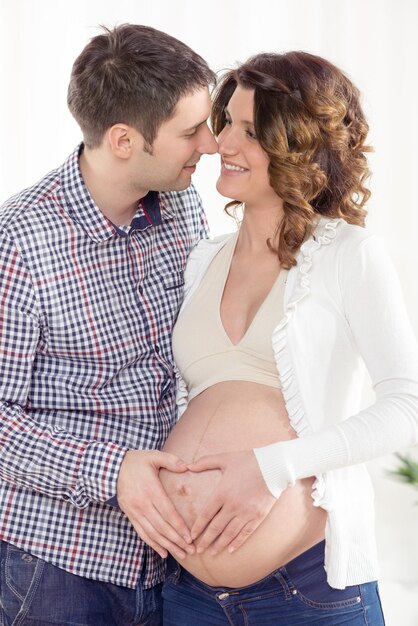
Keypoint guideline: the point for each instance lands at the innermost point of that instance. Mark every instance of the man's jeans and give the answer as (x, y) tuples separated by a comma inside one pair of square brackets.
[(295, 595), (35, 593)]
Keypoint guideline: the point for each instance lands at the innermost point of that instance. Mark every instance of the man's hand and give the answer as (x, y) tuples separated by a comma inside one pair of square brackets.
[(238, 505), (142, 498)]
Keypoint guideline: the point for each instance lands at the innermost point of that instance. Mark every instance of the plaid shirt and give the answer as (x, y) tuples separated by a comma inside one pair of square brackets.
[(86, 313)]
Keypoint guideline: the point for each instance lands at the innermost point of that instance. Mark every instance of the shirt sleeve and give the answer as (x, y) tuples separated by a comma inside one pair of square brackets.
[(34, 454), (375, 311)]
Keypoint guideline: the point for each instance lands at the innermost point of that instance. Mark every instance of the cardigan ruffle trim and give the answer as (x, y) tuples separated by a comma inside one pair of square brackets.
[(324, 234)]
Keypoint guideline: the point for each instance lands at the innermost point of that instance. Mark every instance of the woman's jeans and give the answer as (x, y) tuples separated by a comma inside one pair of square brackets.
[(295, 595), (35, 593)]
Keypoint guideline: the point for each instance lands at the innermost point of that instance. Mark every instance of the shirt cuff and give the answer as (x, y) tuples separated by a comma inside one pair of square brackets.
[(100, 470)]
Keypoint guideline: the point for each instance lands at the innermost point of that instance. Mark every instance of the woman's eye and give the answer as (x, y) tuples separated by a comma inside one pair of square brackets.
[(251, 134)]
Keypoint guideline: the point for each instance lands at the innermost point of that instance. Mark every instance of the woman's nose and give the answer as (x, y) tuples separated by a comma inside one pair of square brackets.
[(226, 142)]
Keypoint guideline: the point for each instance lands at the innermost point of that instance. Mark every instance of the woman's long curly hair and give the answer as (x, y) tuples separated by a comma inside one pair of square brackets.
[(308, 120)]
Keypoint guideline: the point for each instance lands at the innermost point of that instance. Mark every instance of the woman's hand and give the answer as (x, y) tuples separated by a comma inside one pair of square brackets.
[(238, 505)]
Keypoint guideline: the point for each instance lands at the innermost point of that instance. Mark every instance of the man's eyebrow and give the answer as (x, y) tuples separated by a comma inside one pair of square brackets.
[(186, 130)]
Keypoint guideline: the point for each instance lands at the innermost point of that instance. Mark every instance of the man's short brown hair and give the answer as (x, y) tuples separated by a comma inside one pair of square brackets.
[(132, 74)]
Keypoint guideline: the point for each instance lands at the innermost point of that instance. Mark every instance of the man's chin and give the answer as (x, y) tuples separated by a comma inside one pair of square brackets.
[(179, 185)]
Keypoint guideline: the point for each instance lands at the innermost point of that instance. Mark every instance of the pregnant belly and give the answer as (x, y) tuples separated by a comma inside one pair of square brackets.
[(237, 416)]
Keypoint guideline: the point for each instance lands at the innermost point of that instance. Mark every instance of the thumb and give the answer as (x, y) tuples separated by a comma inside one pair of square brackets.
[(212, 461), (170, 462)]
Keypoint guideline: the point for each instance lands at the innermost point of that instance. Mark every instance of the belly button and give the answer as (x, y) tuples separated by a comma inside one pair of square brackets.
[(183, 490)]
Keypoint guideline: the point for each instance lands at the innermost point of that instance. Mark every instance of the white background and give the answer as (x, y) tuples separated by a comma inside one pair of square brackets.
[(374, 41)]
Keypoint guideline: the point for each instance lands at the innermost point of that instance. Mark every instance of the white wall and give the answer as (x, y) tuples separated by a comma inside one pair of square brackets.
[(373, 40)]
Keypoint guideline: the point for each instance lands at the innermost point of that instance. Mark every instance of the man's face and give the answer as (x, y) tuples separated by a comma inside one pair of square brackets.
[(178, 146)]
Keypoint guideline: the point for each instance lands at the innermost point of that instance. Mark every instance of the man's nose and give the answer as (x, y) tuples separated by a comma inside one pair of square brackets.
[(209, 144)]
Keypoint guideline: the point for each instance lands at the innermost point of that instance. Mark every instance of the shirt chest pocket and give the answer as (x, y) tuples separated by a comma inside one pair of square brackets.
[(165, 289), (173, 281)]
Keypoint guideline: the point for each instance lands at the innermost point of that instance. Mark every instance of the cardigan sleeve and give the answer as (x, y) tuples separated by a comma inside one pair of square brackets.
[(375, 311)]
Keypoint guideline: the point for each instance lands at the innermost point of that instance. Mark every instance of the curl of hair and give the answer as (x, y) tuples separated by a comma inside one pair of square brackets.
[(309, 121)]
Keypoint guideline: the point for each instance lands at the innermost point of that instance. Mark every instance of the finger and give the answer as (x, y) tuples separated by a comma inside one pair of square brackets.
[(167, 511), (147, 539), (214, 529), (229, 534), (156, 538), (170, 462), (212, 461), (205, 516), (243, 535), (165, 529)]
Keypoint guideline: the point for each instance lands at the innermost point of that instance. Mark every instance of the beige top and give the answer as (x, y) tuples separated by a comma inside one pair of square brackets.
[(202, 350)]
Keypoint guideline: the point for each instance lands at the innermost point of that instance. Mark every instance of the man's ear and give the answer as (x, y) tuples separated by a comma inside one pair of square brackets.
[(122, 138)]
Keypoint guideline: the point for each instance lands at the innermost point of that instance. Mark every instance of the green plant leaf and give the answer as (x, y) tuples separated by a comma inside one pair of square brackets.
[(407, 470)]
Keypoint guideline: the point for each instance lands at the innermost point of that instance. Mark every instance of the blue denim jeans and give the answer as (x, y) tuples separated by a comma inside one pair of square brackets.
[(35, 593), (295, 595)]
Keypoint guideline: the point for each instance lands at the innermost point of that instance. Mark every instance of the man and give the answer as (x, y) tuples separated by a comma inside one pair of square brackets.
[(92, 261)]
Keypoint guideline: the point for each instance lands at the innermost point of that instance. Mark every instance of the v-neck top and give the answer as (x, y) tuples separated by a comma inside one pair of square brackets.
[(202, 349)]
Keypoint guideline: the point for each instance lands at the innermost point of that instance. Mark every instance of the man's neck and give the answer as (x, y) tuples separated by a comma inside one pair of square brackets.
[(104, 181)]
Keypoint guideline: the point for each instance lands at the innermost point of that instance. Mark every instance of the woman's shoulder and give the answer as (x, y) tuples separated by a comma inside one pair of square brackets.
[(205, 245), (201, 256), (347, 237), (207, 248), (342, 230), (356, 251)]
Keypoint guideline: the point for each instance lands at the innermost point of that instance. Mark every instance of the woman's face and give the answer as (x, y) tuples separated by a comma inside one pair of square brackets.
[(244, 164)]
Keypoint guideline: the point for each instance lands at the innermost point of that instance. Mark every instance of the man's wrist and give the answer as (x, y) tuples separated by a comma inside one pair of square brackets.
[(100, 470)]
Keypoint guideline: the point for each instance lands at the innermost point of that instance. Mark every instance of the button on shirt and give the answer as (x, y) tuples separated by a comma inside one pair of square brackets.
[(86, 372)]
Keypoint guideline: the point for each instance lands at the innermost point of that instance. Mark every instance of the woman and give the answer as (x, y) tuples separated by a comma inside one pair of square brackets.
[(277, 322)]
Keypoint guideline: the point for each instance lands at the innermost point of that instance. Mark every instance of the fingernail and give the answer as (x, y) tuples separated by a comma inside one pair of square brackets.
[(180, 555), (190, 549), (231, 549), (200, 550), (187, 539)]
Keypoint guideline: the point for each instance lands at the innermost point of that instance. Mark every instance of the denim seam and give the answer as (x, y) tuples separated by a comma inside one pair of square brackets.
[(364, 608), (190, 584), (282, 580), (341, 604), (380, 603), (263, 596), (151, 606), (226, 613), (7, 577), (242, 609), (33, 587), (139, 603)]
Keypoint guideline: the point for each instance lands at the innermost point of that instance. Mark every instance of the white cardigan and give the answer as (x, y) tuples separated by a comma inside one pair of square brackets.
[(343, 309)]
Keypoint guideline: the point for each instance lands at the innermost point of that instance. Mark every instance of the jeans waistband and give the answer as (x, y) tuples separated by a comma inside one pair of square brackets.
[(307, 561), (302, 565)]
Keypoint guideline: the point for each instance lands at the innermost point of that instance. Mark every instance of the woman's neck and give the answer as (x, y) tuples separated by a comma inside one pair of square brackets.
[(259, 225)]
